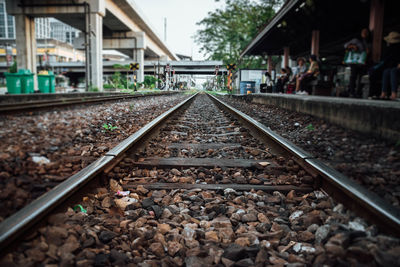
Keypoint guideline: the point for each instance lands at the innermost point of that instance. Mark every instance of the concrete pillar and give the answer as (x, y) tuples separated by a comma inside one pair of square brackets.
[(315, 42), (269, 64), (286, 51), (140, 60), (376, 27), (26, 44), (96, 57)]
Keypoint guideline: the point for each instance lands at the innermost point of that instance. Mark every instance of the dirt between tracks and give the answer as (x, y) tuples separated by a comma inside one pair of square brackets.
[(369, 161), (38, 151)]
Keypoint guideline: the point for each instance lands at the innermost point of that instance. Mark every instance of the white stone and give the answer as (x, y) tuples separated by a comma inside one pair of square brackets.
[(356, 226), (40, 160), (295, 215)]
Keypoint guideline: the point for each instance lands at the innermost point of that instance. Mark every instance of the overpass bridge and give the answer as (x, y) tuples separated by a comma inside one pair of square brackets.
[(106, 24), (149, 67)]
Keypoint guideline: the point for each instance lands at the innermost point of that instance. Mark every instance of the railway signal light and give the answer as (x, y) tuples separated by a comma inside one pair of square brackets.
[(134, 66)]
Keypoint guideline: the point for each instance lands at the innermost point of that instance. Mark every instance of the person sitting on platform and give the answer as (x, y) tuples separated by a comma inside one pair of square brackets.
[(282, 80), (311, 74), (358, 58), (391, 66), (299, 70)]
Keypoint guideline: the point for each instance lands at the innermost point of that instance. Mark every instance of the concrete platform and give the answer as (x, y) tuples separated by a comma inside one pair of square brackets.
[(376, 117)]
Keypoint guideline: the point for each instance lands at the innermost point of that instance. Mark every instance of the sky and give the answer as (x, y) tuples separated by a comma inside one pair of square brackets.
[(182, 16)]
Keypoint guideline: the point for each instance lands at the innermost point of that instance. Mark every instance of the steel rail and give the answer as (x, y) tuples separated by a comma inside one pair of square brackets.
[(353, 195), (12, 227), (41, 104), (382, 213)]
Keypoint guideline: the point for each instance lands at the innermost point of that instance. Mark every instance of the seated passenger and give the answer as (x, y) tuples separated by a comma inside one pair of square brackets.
[(311, 74), (282, 80), (391, 66), (299, 70), (362, 47)]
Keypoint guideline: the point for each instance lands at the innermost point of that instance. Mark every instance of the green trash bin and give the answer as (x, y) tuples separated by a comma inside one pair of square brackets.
[(27, 85), (52, 82), (47, 82), (13, 81)]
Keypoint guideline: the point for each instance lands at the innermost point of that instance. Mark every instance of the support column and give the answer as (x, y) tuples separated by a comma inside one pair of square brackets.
[(315, 43), (96, 57), (376, 27), (286, 51), (269, 64), (140, 60), (26, 44)]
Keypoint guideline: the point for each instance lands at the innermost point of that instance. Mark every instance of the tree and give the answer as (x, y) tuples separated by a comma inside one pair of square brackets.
[(226, 32)]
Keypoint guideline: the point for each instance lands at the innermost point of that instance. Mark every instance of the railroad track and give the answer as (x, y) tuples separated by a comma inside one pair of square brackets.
[(62, 102), (207, 185)]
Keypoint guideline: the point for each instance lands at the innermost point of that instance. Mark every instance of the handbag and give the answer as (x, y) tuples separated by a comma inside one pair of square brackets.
[(357, 58)]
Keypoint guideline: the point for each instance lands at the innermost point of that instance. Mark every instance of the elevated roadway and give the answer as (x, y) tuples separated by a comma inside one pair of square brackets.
[(105, 24)]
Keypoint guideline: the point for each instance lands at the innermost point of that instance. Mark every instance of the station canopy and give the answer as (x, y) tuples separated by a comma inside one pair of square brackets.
[(337, 20)]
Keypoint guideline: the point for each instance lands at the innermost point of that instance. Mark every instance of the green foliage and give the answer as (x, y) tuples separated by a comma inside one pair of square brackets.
[(107, 86), (226, 32), (93, 88), (109, 127), (119, 66), (310, 127), (150, 81), (13, 68)]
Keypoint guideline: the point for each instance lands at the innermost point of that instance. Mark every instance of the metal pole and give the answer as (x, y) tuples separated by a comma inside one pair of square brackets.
[(87, 56)]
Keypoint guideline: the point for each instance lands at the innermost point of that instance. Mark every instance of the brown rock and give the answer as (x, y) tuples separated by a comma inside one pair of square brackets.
[(115, 186), (142, 190), (291, 195), (324, 205), (173, 248), (243, 241), (70, 245), (158, 237), (227, 262), (166, 200), (312, 218), (106, 203), (226, 234), (166, 214), (56, 235), (164, 228), (262, 218), (157, 248), (277, 261), (250, 217), (255, 181), (334, 249), (177, 199), (176, 172), (305, 236), (124, 202), (35, 254), (221, 222), (212, 236), (185, 180), (262, 256), (206, 195)]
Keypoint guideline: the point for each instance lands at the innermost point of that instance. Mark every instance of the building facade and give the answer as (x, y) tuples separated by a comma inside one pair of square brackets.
[(7, 23), (62, 32), (54, 39)]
